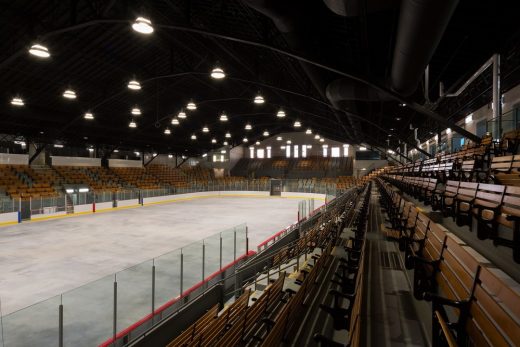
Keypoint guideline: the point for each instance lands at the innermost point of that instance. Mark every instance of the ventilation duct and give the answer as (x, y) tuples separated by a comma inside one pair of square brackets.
[(421, 26), (345, 90), (353, 8)]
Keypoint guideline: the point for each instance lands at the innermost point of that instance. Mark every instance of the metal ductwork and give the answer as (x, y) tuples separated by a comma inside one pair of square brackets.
[(345, 90), (421, 26), (353, 8)]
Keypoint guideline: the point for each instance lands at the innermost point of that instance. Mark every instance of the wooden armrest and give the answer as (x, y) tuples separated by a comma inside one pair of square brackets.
[(450, 339)]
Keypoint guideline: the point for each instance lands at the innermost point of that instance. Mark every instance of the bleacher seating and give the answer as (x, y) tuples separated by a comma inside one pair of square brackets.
[(19, 181), (281, 302), (137, 177), (473, 302), (292, 168)]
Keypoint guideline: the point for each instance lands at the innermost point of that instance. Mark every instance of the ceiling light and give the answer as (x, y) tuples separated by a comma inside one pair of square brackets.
[(308, 131), (57, 145), (266, 133), (397, 118), (204, 155), (362, 148), (245, 140), (132, 124), (322, 140), (316, 137), (257, 143), (137, 153), (228, 135), (134, 85), (223, 117), (191, 106), (143, 25), (205, 130), (17, 101), (183, 157), (175, 121), (193, 137), (289, 142), (309, 146), (170, 156), (136, 111), (402, 104), (297, 124), (69, 94), (259, 99), (448, 131), (225, 143), (181, 115), (90, 149), (217, 73), (39, 51), (167, 131), (88, 115), (248, 126), (280, 114), (279, 138), (213, 140)]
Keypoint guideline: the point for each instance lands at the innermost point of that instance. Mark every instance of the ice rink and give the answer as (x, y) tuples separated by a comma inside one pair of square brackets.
[(41, 259)]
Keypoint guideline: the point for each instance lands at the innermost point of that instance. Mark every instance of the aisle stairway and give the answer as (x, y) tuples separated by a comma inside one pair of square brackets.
[(394, 317)]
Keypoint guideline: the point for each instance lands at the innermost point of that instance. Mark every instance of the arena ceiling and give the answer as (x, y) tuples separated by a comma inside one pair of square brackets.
[(331, 65)]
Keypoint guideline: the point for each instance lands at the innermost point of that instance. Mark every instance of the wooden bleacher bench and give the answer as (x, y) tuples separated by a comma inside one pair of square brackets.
[(463, 201)]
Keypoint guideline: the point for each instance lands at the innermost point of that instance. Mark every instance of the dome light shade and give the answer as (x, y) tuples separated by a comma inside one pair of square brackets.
[(308, 131), (205, 130), (175, 121), (223, 117), (245, 140), (69, 94), (257, 143), (225, 143), (39, 51), (213, 140), (289, 142), (143, 25), (259, 99), (228, 135), (322, 140), (266, 133), (136, 111), (217, 73), (248, 126), (297, 124), (316, 137), (193, 137), (132, 124), (279, 138), (181, 115), (17, 101), (191, 106), (134, 85), (88, 115), (167, 131), (280, 114)]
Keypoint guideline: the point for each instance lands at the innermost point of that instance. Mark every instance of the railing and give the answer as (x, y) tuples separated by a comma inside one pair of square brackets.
[(102, 311), (41, 206)]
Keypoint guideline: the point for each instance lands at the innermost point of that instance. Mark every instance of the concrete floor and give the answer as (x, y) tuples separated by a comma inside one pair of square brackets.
[(43, 259)]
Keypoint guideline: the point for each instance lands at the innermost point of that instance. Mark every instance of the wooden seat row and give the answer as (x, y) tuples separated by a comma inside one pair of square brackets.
[(473, 302)]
